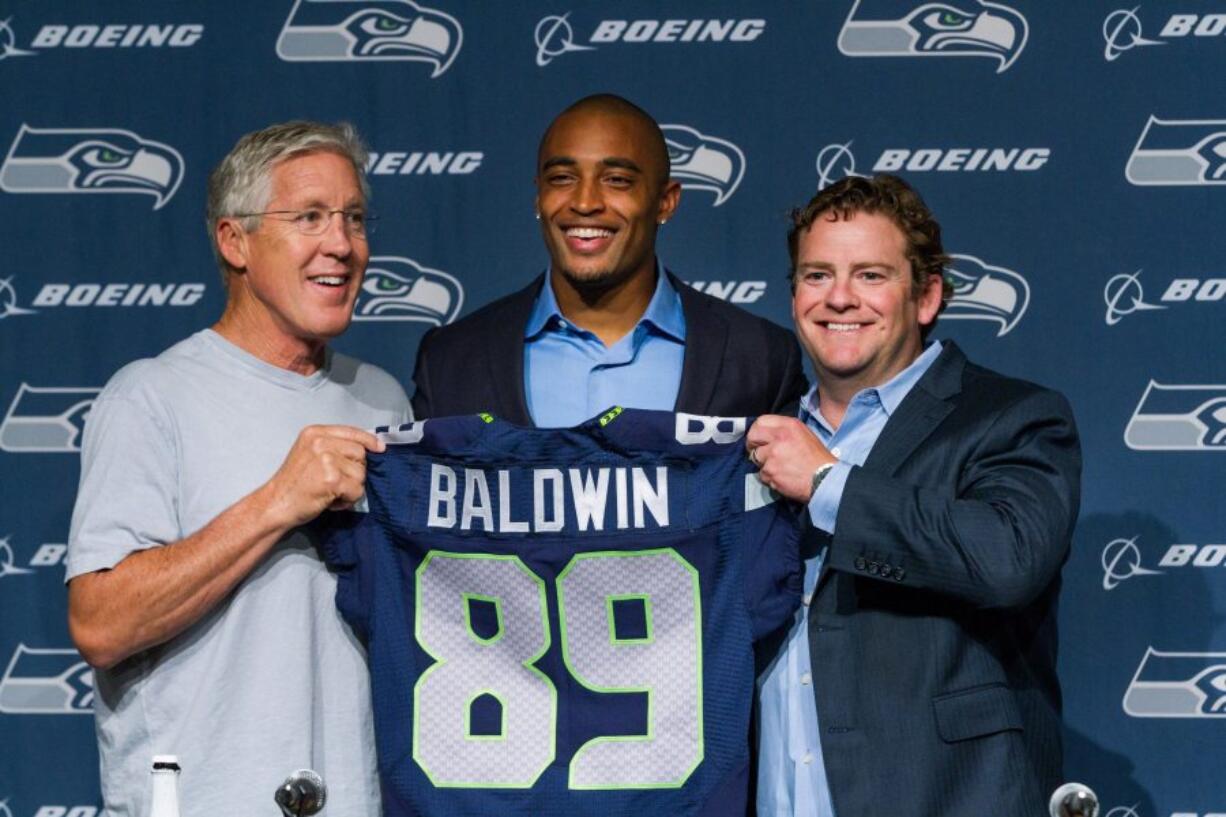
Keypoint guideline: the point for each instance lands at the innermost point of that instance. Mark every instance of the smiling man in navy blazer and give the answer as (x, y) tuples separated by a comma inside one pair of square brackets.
[(606, 325), (920, 677)]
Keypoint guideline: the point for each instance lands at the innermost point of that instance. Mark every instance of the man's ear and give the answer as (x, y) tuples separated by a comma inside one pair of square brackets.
[(670, 197), (232, 243)]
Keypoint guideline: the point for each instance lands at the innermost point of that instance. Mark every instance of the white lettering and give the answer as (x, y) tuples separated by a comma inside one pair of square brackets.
[(589, 497), (1180, 289), (608, 31), (51, 295), (1211, 25), (1178, 26), (505, 523), (49, 36), (748, 291), (1213, 289), (891, 159), (48, 555), (1210, 556), (442, 496), (541, 476), (654, 499), (1177, 556), (476, 501)]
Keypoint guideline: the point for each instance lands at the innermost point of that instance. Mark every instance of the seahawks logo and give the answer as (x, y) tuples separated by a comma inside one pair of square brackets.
[(702, 162), (1178, 685), (46, 682), (971, 28), (1179, 152), (90, 160), (983, 292), (1178, 418), (400, 289), (332, 30), (46, 420)]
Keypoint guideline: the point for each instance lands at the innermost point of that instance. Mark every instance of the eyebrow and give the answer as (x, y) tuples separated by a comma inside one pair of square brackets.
[(612, 161), (826, 265)]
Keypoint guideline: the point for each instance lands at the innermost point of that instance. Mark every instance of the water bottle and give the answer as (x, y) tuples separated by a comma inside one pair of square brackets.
[(165, 802)]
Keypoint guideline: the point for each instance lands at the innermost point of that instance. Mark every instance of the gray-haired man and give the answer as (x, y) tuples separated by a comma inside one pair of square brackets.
[(209, 617)]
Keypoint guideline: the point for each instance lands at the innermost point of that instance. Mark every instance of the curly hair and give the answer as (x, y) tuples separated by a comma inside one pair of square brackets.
[(885, 195)]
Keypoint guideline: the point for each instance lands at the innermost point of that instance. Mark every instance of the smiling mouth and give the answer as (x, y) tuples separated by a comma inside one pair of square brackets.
[(831, 326), (588, 233), (329, 280)]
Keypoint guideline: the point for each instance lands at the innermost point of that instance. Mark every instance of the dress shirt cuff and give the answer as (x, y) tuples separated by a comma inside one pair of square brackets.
[(824, 504)]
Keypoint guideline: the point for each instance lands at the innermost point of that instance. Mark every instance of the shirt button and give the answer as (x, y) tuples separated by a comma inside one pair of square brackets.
[(807, 759), (806, 679), (838, 452)]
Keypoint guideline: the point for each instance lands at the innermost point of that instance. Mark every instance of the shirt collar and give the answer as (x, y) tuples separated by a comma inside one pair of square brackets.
[(890, 393), (663, 311)]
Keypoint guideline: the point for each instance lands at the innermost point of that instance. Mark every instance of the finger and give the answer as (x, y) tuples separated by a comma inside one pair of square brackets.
[(365, 439), (753, 457)]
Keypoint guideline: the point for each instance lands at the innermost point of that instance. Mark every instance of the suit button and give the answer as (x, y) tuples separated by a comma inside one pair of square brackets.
[(860, 563), (899, 573), (874, 567)]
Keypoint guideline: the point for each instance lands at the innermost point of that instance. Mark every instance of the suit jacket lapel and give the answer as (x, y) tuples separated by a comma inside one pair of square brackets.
[(706, 336), (504, 356), (924, 407)]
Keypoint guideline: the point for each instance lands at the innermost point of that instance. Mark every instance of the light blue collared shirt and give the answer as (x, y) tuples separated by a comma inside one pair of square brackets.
[(791, 770), (571, 376)]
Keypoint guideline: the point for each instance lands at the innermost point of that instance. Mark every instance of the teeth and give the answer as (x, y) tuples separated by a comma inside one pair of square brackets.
[(843, 327), (588, 232), (329, 280)]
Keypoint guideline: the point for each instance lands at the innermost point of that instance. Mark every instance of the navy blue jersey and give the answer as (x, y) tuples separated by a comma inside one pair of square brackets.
[(560, 621)]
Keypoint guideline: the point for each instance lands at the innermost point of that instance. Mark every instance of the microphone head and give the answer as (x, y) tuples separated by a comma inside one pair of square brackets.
[(1073, 800), (302, 794)]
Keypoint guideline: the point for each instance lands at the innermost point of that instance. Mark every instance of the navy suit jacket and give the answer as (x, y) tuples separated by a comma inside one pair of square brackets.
[(735, 364), (933, 628)]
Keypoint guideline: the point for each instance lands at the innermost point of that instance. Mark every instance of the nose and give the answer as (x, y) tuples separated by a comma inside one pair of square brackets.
[(841, 295), (587, 197), (335, 239)]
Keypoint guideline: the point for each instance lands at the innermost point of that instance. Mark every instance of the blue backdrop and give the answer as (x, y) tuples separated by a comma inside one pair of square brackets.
[(1074, 152)]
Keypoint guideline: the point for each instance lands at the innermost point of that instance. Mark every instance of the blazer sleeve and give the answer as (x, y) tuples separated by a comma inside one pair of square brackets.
[(793, 384), (422, 404), (994, 535)]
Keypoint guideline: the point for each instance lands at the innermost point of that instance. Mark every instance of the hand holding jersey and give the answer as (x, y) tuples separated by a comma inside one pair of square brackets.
[(787, 455), (325, 470)]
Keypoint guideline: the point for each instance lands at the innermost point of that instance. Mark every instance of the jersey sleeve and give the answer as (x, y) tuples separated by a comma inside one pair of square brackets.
[(774, 572), (345, 539), (127, 500)]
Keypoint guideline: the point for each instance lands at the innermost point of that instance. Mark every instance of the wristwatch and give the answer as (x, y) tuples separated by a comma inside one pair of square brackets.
[(818, 476)]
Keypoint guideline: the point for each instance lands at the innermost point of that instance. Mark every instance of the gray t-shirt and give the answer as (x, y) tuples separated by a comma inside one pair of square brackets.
[(271, 680)]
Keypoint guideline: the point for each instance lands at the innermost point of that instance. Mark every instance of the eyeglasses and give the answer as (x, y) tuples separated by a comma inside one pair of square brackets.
[(315, 220)]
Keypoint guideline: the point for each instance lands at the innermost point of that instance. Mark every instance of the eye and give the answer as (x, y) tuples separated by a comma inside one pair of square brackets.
[(619, 180), (814, 276), (383, 25), (355, 218), (947, 20), (310, 218), (104, 157), (871, 275)]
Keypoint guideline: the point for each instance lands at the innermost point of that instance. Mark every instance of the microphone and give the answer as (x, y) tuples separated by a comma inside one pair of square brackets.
[(302, 794), (1073, 800)]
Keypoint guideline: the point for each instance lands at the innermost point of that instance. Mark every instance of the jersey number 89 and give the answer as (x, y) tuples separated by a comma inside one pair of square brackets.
[(664, 661)]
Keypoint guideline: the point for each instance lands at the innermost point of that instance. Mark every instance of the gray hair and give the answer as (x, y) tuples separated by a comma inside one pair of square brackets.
[(242, 181)]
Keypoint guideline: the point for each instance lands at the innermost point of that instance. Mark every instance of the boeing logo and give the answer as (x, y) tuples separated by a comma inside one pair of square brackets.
[(1122, 31), (8, 42), (46, 419), (7, 568), (1178, 685), (554, 35), (702, 162), (985, 292), (1123, 295), (1178, 418), (987, 30), (1179, 152), (835, 162), (370, 30), (90, 160), (1121, 560), (400, 289), (8, 300), (424, 163)]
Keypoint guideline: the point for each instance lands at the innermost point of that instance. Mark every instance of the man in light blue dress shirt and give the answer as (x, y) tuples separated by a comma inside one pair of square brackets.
[(919, 676), (607, 324)]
